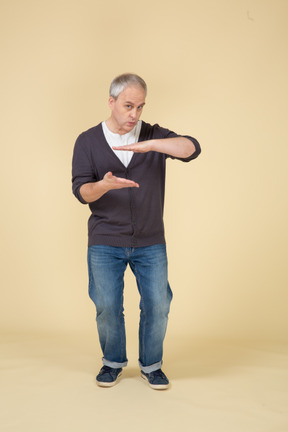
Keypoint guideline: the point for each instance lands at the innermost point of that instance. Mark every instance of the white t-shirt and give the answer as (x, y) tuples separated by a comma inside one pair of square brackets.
[(115, 140)]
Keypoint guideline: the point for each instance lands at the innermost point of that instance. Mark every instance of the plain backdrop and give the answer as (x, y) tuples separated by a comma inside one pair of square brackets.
[(216, 70)]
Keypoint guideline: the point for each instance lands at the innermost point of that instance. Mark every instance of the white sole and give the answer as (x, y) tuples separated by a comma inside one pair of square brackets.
[(108, 384), (155, 387)]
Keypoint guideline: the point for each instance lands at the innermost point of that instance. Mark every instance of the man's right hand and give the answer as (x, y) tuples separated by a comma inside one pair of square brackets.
[(93, 191), (112, 182)]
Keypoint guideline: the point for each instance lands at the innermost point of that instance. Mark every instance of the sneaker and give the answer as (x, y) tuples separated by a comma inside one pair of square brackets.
[(108, 376), (157, 380)]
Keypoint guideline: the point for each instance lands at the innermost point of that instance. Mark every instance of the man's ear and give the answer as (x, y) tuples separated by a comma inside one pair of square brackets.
[(111, 102)]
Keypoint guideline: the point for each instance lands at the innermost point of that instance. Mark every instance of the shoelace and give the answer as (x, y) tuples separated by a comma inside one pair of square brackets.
[(158, 373)]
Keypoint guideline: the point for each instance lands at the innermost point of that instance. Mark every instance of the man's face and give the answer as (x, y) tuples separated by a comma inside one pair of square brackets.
[(126, 109)]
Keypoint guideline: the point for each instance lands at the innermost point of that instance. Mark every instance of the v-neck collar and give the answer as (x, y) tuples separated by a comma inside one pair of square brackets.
[(111, 150)]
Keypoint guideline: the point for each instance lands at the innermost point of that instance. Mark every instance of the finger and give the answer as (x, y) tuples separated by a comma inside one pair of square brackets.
[(128, 183), (127, 147)]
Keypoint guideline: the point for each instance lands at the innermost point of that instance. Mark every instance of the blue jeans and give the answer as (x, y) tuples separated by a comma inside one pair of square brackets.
[(106, 265)]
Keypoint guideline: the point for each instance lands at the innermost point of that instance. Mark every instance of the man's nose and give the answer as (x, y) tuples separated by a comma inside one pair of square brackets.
[(133, 113)]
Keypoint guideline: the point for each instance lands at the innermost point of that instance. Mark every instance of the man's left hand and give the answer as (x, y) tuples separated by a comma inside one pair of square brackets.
[(140, 147)]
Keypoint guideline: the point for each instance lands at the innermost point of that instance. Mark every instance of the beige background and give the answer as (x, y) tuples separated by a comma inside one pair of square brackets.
[(216, 70)]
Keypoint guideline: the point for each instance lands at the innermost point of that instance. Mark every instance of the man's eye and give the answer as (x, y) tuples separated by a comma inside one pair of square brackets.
[(128, 106), (140, 107)]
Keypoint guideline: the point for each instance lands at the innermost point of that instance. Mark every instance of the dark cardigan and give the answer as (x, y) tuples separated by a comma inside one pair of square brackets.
[(130, 217)]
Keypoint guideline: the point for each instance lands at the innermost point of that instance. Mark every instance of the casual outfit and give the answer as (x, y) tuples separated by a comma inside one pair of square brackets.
[(129, 217), (126, 227)]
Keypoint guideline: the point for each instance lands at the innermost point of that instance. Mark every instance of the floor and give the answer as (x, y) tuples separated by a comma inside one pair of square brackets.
[(47, 383)]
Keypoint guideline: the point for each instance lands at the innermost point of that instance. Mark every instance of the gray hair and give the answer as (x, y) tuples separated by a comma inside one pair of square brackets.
[(122, 81)]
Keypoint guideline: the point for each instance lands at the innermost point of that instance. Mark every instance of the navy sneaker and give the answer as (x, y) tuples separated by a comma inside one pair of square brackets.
[(157, 380), (108, 376)]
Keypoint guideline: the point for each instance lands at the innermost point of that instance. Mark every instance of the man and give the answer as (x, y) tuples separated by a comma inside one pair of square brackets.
[(119, 169)]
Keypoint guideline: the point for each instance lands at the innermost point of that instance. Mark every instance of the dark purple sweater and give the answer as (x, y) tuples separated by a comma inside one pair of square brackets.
[(130, 217)]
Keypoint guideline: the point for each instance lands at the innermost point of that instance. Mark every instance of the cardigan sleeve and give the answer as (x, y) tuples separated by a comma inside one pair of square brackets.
[(160, 132), (82, 169), (197, 149)]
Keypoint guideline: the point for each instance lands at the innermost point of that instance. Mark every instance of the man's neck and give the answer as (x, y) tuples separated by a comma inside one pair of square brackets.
[(113, 127)]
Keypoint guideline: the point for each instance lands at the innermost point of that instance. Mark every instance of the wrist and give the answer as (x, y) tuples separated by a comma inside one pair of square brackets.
[(103, 186), (153, 145)]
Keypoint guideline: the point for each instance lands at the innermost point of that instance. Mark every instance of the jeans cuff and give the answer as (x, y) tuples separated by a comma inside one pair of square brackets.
[(114, 365), (151, 368)]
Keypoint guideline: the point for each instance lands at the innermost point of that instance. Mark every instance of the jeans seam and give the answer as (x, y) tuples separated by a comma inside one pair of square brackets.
[(123, 337), (142, 307)]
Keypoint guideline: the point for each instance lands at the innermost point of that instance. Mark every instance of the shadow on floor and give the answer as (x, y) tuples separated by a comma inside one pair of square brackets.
[(184, 357), (188, 358)]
